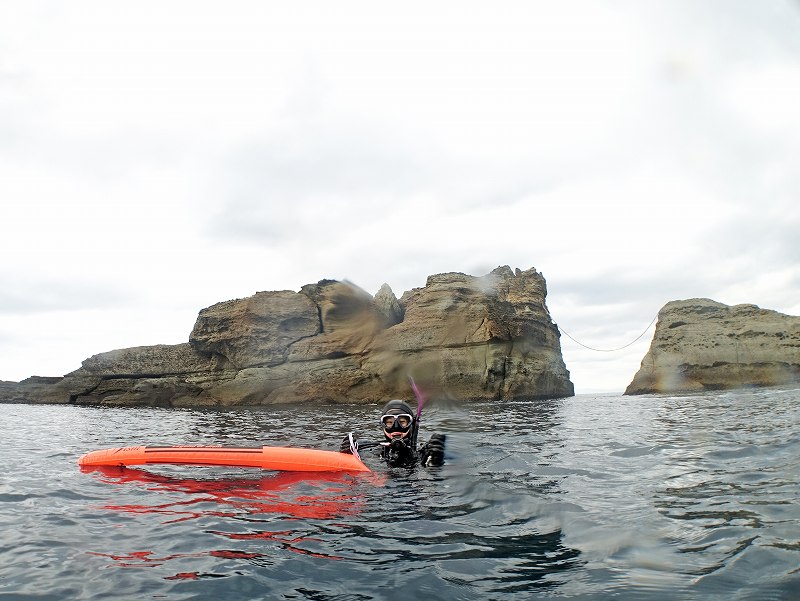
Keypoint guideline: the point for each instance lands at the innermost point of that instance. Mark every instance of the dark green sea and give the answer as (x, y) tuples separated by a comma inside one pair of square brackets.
[(590, 497)]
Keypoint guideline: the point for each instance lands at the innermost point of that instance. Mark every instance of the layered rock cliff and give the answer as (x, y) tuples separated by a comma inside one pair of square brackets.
[(700, 344), (468, 337)]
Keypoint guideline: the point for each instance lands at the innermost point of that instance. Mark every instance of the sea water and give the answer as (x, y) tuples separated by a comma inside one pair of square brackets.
[(589, 497)]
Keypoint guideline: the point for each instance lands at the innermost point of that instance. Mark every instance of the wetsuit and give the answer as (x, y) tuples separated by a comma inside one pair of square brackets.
[(398, 448), (399, 452)]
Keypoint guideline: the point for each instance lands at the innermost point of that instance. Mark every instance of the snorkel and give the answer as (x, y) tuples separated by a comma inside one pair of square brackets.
[(420, 402)]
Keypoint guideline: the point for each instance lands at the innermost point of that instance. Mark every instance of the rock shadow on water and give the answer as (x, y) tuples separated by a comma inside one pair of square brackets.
[(509, 564), (472, 535)]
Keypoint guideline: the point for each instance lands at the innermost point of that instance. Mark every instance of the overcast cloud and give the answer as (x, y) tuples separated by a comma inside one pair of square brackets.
[(156, 158)]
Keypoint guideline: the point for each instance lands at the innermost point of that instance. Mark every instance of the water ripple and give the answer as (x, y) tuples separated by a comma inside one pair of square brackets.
[(594, 497)]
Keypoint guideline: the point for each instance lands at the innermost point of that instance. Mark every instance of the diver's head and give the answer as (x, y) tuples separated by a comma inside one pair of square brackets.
[(397, 420)]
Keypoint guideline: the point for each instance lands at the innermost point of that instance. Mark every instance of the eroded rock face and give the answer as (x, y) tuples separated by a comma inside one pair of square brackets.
[(478, 337), (700, 344), (255, 331), (462, 336)]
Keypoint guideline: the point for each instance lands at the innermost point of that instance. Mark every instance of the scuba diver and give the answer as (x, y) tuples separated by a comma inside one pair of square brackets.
[(399, 445)]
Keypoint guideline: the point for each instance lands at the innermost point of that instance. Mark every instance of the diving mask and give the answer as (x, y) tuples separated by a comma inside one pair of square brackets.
[(397, 422)]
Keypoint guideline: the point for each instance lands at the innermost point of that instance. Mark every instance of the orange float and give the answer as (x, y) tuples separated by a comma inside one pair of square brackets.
[(288, 459)]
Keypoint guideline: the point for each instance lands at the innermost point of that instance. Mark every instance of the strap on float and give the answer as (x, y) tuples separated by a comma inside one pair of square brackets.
[(353, 445)]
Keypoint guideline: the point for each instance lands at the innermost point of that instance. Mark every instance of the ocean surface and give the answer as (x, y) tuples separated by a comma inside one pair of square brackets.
[(590, 497)]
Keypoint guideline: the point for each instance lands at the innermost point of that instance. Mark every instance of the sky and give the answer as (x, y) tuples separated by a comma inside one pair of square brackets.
[(159, 157)]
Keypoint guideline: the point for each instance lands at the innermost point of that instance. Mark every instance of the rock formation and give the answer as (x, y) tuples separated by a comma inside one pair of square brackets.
[(700, 344), (468, 337)]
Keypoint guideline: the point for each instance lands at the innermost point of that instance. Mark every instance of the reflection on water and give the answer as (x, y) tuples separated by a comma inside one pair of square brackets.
[(593, 497), (192, 498)]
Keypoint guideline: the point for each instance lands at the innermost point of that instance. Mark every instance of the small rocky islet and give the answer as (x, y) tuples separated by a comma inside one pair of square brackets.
[(700, 344), (487, 337), (466, 337)]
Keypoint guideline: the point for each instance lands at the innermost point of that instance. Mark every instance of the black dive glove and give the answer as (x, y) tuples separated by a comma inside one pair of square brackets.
[(433, 451)]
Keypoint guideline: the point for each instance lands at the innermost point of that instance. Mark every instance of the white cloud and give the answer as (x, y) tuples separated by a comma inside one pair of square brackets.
[(157, 158), (767, 96)]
